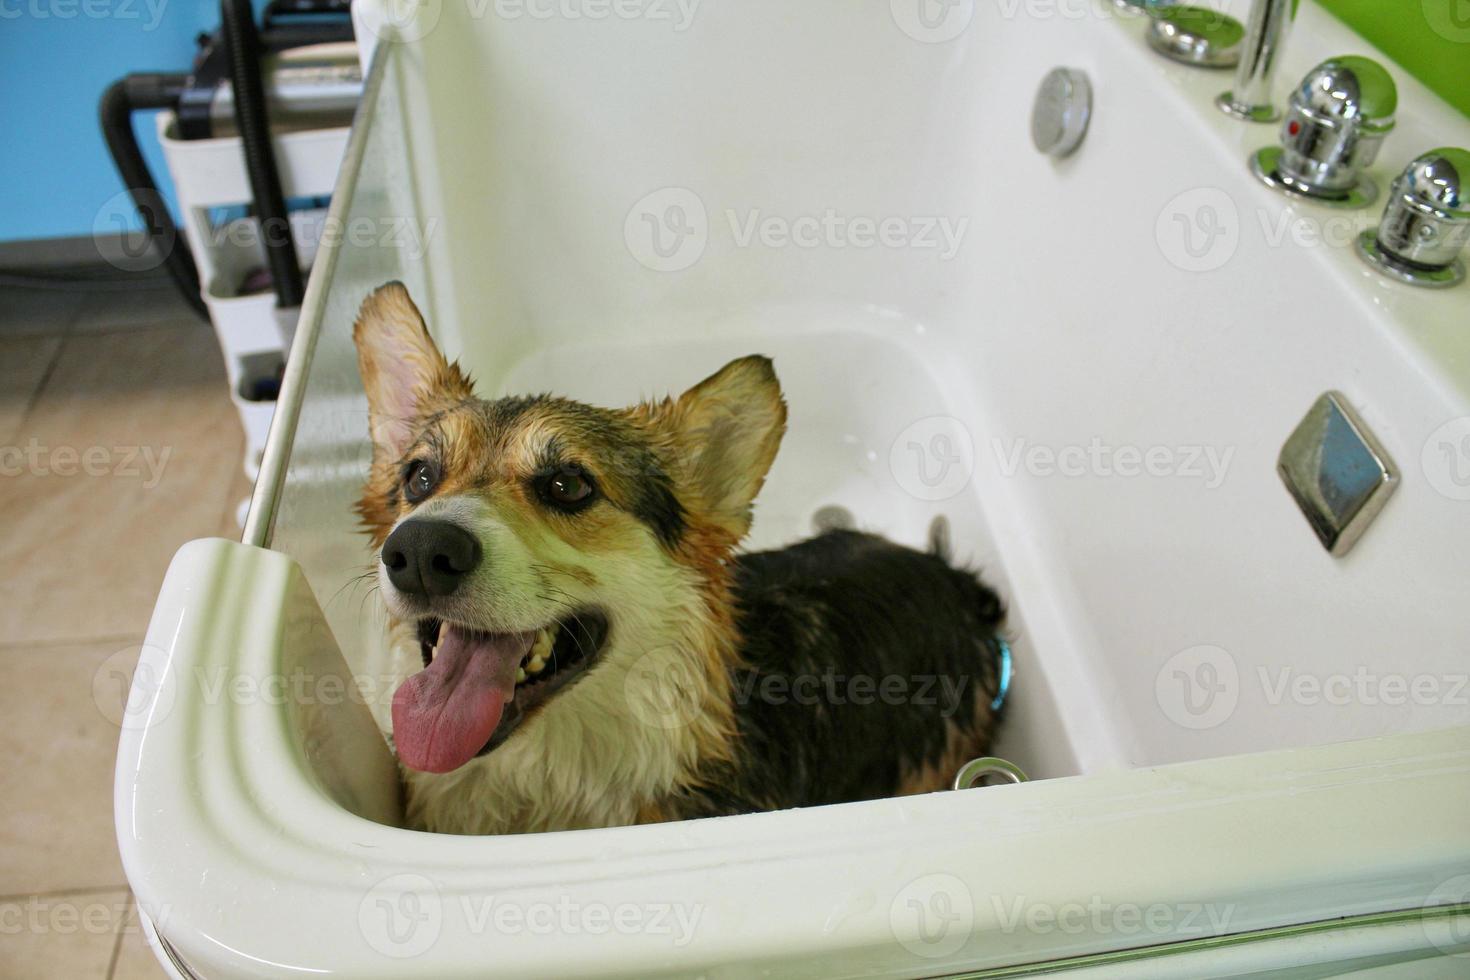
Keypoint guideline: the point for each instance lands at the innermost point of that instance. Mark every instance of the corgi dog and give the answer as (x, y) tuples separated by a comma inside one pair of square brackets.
[(597, 652)]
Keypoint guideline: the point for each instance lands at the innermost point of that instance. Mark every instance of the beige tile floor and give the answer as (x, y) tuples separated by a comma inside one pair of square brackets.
[(118, 443)]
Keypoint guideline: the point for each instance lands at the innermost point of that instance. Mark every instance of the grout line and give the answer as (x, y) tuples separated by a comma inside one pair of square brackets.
[(121, 932), (67, 641), (89, 890), (41, 383), (141, 328)]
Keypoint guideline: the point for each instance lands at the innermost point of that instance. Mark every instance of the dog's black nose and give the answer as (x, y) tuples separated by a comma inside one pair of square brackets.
[(429, 558)]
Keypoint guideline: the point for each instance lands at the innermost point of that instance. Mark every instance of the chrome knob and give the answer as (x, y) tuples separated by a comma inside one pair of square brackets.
[(1426, 221), (1335, 122), (1196, 36)]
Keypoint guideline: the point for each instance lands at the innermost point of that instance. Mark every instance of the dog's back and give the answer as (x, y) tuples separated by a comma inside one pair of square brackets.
[(868, 671)]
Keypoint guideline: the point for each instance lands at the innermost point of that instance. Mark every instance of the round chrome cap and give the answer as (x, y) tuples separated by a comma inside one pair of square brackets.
[(1349, 89), (1062, 110), (1426, 222), (1196, 36), (1436, 182)]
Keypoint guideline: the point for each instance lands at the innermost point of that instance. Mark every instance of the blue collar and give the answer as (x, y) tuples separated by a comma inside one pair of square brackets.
[(1004, 687)]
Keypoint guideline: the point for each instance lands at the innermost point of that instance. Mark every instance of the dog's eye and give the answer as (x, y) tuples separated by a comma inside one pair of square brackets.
[(568, 489), (421, 480)]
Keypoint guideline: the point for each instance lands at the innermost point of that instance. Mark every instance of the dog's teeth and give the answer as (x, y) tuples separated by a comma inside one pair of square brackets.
[(541, 649), (520, 675), (537, 664)]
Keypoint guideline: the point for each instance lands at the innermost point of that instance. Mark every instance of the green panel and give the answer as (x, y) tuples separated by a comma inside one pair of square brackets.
[(1430, 38)]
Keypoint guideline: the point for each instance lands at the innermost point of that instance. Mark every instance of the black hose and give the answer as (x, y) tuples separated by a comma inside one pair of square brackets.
[(115, 111), (242, 44)]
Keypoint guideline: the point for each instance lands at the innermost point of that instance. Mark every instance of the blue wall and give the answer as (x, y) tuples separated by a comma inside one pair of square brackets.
[(56, 57)]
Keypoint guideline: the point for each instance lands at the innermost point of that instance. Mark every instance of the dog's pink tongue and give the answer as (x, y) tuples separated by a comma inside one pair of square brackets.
[(446, 713)]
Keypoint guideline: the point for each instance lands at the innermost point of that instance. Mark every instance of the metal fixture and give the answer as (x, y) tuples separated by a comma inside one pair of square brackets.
[(1061, 112), (1265, 35), (1196, 36), (976, 771), (1426, 221), (1339, 474), (1335, 122)]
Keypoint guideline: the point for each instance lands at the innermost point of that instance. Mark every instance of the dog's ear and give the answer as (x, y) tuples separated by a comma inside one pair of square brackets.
[(402, 370), (725, 432)]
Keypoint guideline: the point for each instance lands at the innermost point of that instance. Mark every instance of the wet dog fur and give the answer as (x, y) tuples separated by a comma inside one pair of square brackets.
[(841, 668)]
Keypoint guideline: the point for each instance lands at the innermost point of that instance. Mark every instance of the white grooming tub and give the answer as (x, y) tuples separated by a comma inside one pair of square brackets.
[(1236, 771)]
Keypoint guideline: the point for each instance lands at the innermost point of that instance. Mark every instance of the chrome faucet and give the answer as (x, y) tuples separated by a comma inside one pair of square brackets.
[(1336, 120), (1426, 222), (1265, 34)]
